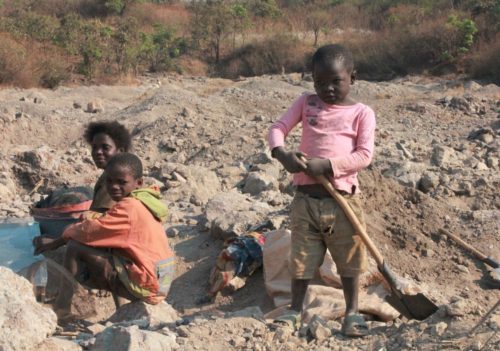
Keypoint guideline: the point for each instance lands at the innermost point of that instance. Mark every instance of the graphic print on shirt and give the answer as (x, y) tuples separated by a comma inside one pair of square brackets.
[(312, 110)]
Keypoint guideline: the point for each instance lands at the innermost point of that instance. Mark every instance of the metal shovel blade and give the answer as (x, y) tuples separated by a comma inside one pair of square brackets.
[(411, 306)]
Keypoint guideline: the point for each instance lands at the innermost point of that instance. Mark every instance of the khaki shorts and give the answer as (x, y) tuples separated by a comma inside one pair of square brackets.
[(318, 224)]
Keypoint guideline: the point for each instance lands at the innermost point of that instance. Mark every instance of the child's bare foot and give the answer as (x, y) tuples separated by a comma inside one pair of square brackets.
[(64, 316)]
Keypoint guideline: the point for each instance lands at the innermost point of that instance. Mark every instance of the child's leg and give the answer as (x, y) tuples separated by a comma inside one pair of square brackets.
[(350, 285), (299, 289), (307, 247), (349, 254), (101, 270)]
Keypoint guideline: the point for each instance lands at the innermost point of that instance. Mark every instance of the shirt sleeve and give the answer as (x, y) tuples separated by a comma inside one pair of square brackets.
[(111, 230), (363, 151), (280, 129)]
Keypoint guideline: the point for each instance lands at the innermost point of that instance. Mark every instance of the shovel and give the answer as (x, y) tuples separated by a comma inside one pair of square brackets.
[(494, 276), (411, 306)]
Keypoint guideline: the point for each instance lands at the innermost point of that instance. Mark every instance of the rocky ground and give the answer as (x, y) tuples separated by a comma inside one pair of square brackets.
[(204, 141)]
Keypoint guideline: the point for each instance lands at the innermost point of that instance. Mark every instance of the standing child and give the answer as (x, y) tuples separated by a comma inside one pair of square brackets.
[(337, 141), (125, 251)]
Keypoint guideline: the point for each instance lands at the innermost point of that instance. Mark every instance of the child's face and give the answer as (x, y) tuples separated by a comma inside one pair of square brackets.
[(120, 182), (103, 148), (332, 82)]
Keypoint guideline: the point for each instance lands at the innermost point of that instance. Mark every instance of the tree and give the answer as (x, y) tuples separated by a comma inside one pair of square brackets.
[(240, 20), (211, 23), (317, 21)]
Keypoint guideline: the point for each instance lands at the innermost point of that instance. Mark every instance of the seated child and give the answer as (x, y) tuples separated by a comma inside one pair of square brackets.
[(125, 251)]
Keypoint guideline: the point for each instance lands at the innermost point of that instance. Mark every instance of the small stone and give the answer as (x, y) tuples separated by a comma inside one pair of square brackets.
[(427, 253), (238, 341), (172, 232), (318, 328), (439, 329), (186, 112), (481, 166), (477, 345), (494, 322), (282, 334), (182, 331), (492, 162), (77, 105), (94, 107), (462, 268), (457, 308), (96, 328)]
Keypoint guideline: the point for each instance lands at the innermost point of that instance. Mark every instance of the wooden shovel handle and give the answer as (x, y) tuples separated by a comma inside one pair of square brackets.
[(358, 228), (466, 246)]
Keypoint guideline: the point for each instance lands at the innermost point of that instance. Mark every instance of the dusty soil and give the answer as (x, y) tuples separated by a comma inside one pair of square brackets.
[(222, 125)]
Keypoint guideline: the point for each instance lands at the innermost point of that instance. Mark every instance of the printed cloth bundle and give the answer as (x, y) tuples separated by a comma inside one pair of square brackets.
[(240, 257)]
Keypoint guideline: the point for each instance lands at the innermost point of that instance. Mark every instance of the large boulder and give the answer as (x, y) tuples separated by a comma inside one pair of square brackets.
[(189, 183), (24, 323), (133, 339), (443, 156), (231, 214)]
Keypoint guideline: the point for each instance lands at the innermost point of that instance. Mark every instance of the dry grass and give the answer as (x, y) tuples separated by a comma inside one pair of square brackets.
[(15, 68), (276, 54), (484, 63), (147, 14)]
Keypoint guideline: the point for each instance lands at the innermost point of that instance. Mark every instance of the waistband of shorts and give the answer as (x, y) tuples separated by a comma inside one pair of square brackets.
[(325, 195)]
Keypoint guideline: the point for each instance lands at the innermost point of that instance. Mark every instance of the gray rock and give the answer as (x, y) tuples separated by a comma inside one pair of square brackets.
[(492, 162), (172, 232), (23, 321), (442, 155), (405, 151), (96, 328), (132, 339), (318, 328), (407, 173), (94, 107), (42, 158), (183, 331), (154, 315), (472, 86), (231, 213), (439, 328), (196, 182), (257, 182), (238, 341), (428, 181), (458, 308)]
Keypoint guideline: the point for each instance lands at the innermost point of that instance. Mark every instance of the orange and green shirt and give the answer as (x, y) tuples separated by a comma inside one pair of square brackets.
[(133, 232)]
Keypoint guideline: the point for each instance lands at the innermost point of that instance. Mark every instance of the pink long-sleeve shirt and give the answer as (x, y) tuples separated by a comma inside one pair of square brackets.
[(343, 134)]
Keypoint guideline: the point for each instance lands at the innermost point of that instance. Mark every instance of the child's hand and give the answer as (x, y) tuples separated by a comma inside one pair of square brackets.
[(44, 243), (290, 160), (318, 166)]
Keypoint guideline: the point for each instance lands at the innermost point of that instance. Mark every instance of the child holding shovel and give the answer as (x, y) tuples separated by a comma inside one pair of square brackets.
[(337, 141)]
